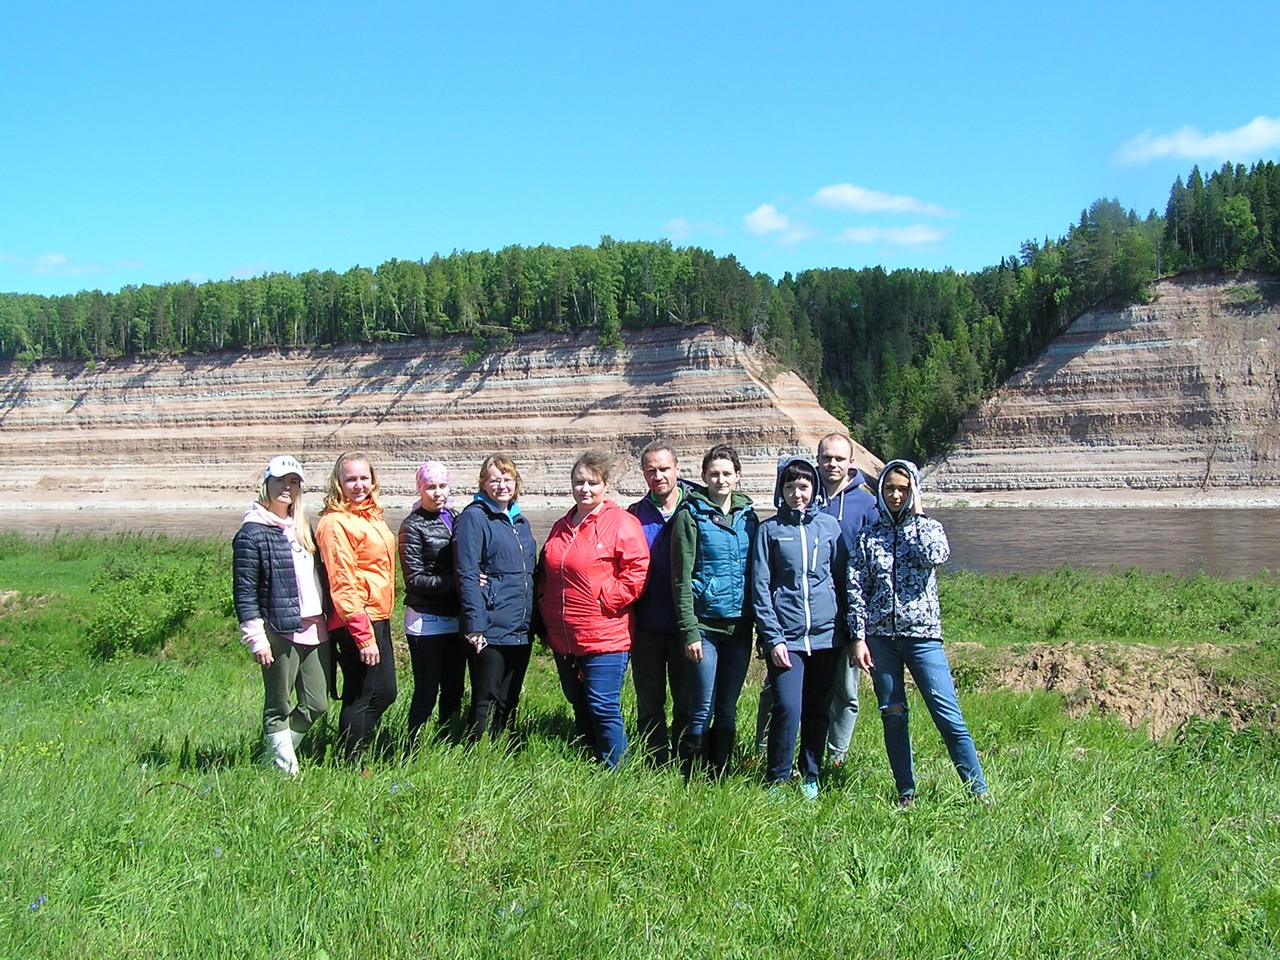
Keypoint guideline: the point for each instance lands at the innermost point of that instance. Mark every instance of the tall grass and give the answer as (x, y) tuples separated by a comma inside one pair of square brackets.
[(138, 823)]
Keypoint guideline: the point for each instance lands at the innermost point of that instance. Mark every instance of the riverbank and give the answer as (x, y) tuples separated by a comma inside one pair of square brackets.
[(1089, 498)]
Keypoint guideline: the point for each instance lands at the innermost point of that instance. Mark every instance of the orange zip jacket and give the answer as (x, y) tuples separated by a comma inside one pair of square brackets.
[(359, 553)]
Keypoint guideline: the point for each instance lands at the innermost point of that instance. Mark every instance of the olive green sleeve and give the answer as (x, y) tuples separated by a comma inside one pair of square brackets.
[(684, 546)]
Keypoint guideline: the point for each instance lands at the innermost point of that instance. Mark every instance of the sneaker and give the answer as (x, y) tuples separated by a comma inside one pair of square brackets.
[(809, 789), (776, 794), (906, 801), (837, 762)]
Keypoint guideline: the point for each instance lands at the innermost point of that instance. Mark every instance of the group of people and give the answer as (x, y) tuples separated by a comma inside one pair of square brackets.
[(680, 587)]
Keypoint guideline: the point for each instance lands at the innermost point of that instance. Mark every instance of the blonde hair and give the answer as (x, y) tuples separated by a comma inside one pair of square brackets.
[(596, 462), (334, 498), (505, 465), (297, 512)]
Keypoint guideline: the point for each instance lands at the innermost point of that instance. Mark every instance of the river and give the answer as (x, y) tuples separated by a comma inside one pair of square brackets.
[(1223, 542)]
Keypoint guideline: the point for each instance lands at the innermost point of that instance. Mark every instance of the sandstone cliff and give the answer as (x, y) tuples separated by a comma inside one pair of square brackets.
[(196, 430), (1179, 396)]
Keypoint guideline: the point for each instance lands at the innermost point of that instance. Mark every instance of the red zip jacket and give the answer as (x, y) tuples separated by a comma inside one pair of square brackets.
[(589, 576)]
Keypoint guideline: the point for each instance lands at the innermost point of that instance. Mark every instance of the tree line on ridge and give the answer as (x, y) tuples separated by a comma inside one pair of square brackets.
[(898, 355)]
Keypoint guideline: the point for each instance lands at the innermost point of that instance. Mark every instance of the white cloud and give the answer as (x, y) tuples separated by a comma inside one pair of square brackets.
[(916, 235), (247, 271), (1243, 144), (855, 199), (55, 264), (681, 228), (767, 219)]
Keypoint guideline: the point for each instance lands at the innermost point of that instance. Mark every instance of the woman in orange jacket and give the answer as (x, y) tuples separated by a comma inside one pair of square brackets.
[(592, 569), (359, 552)]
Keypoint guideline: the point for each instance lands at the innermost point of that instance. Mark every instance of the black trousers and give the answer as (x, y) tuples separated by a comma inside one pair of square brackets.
[(367, 691), (497, 675)]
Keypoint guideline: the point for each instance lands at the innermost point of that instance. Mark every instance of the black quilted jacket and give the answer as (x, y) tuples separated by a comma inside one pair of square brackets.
[(426, 560), (263, 582)]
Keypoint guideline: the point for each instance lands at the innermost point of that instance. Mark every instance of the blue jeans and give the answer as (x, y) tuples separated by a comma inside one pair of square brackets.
[(929, 668), (592, 683), (801, 703), (714, 684)]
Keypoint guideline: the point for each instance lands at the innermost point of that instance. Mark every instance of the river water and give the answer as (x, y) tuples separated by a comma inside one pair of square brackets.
[(1224, 542)]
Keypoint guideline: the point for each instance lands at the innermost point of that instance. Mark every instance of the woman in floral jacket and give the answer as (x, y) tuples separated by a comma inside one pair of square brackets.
[(895, 622)]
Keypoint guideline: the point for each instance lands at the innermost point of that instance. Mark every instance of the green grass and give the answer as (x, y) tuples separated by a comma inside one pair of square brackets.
[(137, 822)]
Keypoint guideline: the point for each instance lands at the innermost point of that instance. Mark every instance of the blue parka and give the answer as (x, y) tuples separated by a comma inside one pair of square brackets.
[(655, 611), (793, 588), (499, 545)]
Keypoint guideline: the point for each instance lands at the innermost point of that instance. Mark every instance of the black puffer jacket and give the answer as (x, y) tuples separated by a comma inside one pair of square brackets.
[(426, 560), (263, 582)]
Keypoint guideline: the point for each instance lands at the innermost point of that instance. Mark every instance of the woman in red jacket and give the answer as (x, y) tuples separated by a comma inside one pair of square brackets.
[(592, 569)]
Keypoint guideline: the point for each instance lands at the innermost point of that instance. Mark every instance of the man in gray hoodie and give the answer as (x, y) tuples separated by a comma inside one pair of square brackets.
[(843, 496)]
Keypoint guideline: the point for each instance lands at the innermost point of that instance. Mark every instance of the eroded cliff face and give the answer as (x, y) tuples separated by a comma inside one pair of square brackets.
[(1178, 395), (197, 431)]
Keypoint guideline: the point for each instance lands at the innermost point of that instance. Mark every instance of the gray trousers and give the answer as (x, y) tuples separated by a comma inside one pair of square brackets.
[(295, 668), (844, 706)]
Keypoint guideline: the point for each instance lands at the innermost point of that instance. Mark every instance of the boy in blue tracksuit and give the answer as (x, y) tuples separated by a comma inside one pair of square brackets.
[(794, 601)]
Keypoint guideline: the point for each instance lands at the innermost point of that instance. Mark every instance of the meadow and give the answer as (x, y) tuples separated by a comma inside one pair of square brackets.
[(139, 823)]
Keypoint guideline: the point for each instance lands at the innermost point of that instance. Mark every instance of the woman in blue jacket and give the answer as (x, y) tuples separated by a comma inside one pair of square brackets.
[(495, 556), (794, 599)]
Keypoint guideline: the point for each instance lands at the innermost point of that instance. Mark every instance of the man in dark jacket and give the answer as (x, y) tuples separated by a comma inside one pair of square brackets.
[(843, 497), (657, 649)]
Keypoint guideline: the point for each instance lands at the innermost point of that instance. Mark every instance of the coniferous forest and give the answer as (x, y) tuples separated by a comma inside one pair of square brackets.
[(899, 356)]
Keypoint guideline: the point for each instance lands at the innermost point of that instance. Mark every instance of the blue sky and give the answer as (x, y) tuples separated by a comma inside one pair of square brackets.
[(151, 142)]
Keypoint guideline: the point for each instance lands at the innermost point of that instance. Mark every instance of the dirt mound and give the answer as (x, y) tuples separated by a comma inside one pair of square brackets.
[(1144, 686)]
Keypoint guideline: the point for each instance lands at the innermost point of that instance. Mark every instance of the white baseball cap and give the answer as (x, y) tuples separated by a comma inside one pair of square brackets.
[(282, 466)]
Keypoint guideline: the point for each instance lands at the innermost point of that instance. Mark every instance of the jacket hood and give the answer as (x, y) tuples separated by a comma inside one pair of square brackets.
[(737, 499), (512, 511), (605, 506), (780, 502), (907, 507), (260, 514), (856, 479)]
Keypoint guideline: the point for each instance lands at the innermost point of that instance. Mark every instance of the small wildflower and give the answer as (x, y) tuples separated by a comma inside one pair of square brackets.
[(217, 852), (395, 787), (38, 902)]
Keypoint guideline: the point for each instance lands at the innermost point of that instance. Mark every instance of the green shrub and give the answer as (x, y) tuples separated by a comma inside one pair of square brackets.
[(140, 605)]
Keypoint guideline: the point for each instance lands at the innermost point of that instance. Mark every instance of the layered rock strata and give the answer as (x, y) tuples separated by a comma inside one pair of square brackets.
[(196, 430), (1181, 394)]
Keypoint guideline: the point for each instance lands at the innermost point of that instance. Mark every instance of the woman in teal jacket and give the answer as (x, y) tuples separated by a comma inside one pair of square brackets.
[(712, 531)]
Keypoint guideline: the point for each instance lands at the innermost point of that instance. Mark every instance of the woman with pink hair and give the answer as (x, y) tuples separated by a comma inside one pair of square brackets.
[(436, 648)]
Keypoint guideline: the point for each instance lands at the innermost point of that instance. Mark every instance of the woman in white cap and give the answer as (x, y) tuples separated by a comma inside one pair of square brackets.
[(278, 588)]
